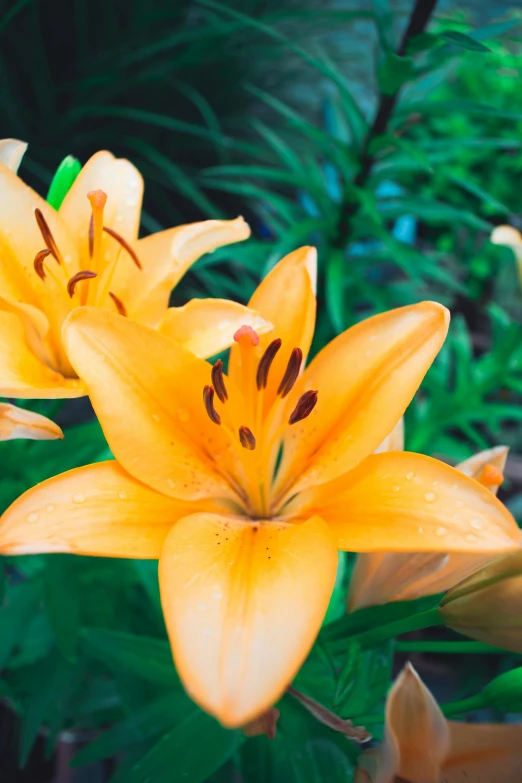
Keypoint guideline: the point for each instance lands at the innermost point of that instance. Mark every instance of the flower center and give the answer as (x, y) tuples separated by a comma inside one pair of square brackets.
[(88, 286), (257, 438), (84, 294)]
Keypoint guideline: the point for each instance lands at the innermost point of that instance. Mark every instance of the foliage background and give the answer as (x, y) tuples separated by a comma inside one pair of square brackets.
[(248, 107)]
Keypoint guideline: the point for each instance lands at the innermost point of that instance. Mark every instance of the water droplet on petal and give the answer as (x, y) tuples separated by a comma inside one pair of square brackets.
[(430, 497), (202, 607), (471, 538), (171, 483), (396, 488), (32, 517), (409, 476), (441, 531), (78, 498), (476, 524), (155, 417), (183, 415), (49, 508), (122, 495)]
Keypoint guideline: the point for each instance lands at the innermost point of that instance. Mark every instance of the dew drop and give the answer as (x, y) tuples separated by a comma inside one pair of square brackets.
[(396, 488), (155, 417), (429, 497), (476, 524), (459, 503), (441, 531), (471, 538), (49, 508), (171, 483), (435, 483), (183, 415), (78, 498), (409, 476), (32, 517), (122, 495)]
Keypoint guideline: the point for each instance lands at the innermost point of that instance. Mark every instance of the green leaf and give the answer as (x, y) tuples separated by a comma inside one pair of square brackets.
[(62, 181), (19, 604), (47, 679), (189, 753), (422, 42), (61, 602), (464, 41), (143, 656), (365, 678), (304, 751), (393, 72), (504, 692), (144, 723)]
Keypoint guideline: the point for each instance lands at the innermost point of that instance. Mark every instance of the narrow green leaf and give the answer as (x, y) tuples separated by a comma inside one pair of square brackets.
[(393, 72), (61, 602), (335, 267), (464, 41), (146, 657)]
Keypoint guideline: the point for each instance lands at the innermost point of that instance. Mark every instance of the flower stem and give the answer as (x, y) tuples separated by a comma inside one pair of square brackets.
[(464, 705), (447, 647), (415, 622)]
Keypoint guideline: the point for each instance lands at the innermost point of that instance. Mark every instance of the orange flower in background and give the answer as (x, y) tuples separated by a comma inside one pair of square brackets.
[(247, 541), (19, 423), (381, 577), (421, 746), (88, 253)]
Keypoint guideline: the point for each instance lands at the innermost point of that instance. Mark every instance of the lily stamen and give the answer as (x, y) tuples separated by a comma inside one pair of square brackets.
[(47, 235), (208, 400), (125, 245), (120, 307), (305, 405), (75, 279), (38, 262), (291, 373), (218, 381), (263, 368), (247, 439)]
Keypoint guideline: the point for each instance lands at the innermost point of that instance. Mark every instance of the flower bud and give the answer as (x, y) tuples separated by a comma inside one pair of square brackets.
[(488, 605), (505, 692)]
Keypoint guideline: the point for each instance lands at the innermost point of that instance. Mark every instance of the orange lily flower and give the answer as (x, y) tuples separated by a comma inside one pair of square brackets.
[(88, 253), (421, 746), (19, 423), (381, 577), (247, 543), (488, 605)]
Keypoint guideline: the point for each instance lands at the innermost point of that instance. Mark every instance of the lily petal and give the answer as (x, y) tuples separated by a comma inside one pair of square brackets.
[(482, 753), (366, 378), (11, 153), (207, 326), (404, 502), (381, 577), (416, 736), (147, 393), (123, 184), (19, 423), (165, 257), (243, 602), (286, 298), (94, 510), (395, 440), (20, 237), (22, 374)]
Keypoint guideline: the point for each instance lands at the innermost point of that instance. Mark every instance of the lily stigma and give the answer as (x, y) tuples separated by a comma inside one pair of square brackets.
[(245, 484)]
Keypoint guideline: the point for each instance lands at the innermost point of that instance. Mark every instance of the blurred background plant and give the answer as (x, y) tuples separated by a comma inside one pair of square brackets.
[(388, 137)]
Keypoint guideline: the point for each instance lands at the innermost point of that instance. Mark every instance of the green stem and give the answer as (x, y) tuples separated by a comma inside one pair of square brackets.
[(464, 705), (447, 647), (414, 623)]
